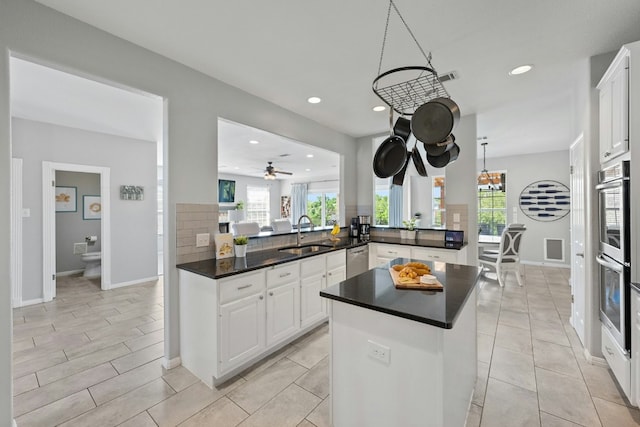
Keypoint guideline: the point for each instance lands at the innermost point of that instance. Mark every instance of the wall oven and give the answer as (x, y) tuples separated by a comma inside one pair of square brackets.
[(614, 257)]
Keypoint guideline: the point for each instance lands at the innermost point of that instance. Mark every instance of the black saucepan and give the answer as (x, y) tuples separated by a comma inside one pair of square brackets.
[(402, 128), (390, 157), (440, 147), (398, 179), (417, 161), (434, 120), (444, 159)]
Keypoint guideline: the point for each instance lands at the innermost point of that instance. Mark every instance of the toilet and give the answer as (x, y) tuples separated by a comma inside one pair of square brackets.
[(92, 261)]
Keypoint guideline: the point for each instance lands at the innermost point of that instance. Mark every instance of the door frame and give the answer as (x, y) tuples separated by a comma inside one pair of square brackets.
[(575, 322), (49, 223), (16, 232)]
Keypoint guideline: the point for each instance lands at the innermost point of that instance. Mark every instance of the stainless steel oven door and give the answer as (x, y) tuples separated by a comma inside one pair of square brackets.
[(614, 299), (613, 219)]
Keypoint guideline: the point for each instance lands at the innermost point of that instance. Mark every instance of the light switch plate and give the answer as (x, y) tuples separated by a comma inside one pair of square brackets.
[(202, 240), (26, 212), (456, 217)]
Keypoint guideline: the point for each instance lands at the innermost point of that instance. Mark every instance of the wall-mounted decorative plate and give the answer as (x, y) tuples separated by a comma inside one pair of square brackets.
[(545, 200)]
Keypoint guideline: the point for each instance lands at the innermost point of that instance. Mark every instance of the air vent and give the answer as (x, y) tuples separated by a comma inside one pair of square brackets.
[(451, 75), (554, 249)]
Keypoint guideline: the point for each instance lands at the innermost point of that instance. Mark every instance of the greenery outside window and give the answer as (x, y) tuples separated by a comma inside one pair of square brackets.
[(322, 208), (492, 203)]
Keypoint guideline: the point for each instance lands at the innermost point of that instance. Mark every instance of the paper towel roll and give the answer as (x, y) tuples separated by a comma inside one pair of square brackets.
[(91, 240)]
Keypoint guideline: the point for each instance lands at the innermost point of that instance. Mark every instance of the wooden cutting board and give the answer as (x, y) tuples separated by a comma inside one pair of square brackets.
[(414, 284)]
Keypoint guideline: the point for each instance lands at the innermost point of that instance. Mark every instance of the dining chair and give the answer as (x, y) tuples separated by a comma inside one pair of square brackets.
[(246, 228), (507, 258)]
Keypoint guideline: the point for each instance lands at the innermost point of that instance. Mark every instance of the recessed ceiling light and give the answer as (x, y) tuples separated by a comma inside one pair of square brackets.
[(310, 155), (253, 141), (237, 168), (308, 170), (520, 70), (379, 108), (314, 100)]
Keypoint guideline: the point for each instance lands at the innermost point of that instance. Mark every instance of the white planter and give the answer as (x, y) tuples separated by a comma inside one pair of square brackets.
[(241, 250), (411, 235)]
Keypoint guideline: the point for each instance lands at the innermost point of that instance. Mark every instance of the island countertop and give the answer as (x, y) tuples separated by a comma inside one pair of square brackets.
[(374, 290)]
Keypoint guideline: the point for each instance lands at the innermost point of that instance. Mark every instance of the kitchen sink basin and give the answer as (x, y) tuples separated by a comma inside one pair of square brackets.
[(300, 250)]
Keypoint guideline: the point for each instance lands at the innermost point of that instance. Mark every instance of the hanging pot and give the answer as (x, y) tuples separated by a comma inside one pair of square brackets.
[(417, 161), (398, 179), (440, 147), (402, 128), (445, 158), (391, 155), (434, 120)]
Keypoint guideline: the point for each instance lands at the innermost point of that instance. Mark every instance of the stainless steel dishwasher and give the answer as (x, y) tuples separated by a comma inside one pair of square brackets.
[(357, 260)]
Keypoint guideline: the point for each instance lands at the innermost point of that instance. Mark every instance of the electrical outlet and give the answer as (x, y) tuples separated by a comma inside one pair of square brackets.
[(379, 352), (202, 240)]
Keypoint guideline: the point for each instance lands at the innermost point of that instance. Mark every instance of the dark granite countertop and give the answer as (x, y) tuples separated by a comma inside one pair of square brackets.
[(635, 286), (218, 268), (374, 290), (419, 242)]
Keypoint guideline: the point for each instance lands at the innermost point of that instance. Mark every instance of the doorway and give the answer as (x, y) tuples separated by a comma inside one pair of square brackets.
[(49, 253), (577, 221)]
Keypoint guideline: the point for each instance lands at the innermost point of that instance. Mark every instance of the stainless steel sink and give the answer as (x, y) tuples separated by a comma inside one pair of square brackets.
[(301, 250)]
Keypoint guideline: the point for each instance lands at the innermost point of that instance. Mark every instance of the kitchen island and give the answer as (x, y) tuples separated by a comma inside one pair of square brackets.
[(403, 357)]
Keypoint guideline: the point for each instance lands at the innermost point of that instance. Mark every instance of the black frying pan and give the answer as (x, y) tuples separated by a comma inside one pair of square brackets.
[(417, 161), (434, 120), (445, 158), (398, 179), (390, 157), (402, 128)]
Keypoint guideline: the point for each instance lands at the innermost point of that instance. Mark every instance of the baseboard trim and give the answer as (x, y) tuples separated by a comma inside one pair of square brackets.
[(171, 363), (132, 282), (545, 264), (13, 423), (35, 301), (597, 361), (69, 273)]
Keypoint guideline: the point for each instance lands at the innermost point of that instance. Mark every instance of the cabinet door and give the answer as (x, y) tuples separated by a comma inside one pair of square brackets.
[(242, 334), (312, 306), (386, 253), (336, 275), (619, 109), (441, 255), (635, 347), (605, 122), (283, 312)]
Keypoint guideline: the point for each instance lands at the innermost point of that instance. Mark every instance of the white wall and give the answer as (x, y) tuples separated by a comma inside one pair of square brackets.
[(194, 101), (133, 223), (521, 171), (71, 227), (241, 190)]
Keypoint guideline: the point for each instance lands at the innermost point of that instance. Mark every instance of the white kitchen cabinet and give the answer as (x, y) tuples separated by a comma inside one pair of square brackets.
[(618, 361), (432, 254), (336, 267), (635, 347), (614, 108), (242, 333), (382, 253), (283, 312), (312, 273)]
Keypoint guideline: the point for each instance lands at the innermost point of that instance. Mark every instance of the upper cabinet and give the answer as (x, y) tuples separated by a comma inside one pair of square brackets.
[(614, 108)]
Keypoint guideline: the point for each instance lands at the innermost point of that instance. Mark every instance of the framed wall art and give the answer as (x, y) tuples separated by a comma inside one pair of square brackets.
[(66, 199), (545, 200), (91, 207)]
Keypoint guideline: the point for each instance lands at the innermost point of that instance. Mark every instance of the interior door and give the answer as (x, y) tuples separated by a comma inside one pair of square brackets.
[(577, 220)]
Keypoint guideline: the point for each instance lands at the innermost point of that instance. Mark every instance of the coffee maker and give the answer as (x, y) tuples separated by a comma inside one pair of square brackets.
[(354, 230), (364, 226)]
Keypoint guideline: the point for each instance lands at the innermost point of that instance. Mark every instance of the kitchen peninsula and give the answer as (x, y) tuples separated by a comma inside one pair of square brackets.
[(403, 357)]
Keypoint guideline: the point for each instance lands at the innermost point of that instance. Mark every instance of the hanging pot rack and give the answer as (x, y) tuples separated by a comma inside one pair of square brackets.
[(404, 89)]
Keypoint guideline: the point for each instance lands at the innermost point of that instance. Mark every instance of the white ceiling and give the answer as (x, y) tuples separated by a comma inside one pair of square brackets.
[(287, 50)]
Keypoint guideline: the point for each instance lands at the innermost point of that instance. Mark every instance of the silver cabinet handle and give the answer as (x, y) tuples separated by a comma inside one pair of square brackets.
[(580, 254), (245, 286), (330, 274), (609, 351), (270, 294), (435, 256), (261, 296), (392, 252), (285, 274), (607, 153)]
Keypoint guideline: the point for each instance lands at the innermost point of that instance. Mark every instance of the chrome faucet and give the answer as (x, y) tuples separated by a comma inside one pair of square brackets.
[(300, 236)]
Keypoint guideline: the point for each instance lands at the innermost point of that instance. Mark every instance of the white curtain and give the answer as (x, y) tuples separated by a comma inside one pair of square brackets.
[(395, 206), (298, 201)]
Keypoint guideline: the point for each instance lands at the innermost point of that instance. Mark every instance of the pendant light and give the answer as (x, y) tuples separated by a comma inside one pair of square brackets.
[(485, 172)]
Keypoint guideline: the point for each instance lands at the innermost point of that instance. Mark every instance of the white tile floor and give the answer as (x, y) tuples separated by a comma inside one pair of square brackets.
[(94, 358)]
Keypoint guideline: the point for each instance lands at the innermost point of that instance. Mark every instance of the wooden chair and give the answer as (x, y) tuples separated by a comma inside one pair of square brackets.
[(507, 257)]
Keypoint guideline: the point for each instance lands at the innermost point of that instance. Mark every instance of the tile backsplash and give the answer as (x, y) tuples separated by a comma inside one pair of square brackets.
[(192, 219)]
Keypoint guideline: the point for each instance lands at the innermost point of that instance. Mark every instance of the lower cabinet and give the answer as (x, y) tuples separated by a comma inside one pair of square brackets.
[(382, 253), (312, 281), (635, 347), (241, 330), (283, 312)]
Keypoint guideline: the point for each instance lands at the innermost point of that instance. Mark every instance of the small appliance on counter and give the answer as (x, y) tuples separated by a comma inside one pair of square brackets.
[(364, 226), (354, 230)]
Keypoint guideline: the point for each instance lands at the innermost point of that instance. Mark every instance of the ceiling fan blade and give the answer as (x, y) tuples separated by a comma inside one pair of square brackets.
[(283, 172)]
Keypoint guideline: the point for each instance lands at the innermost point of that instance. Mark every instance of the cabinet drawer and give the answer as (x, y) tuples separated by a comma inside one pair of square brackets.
[(617, 360), (283, 274), (312, 266), (435, 255), (336, 260), (241, 286), (391, 252)]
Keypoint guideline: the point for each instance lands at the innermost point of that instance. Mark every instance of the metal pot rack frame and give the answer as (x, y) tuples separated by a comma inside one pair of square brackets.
[(405, 94)]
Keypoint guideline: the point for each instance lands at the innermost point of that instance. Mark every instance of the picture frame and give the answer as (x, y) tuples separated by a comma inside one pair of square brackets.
[(66, 199), (91, 207), (224, 245), (226, 191)]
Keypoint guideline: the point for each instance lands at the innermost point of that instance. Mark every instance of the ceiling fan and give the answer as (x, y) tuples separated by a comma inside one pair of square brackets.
[(270, 171)]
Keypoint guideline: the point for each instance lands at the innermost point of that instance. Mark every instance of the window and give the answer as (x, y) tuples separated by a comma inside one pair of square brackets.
[(381, 207), (438, 213), (492, 203), (322, 208), (258, 205)]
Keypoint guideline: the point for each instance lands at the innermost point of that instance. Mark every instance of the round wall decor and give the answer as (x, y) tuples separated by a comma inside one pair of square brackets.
[(545, 200)]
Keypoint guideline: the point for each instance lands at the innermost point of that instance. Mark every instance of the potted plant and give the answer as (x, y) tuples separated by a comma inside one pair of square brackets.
[(411, 225), (240, 246)]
